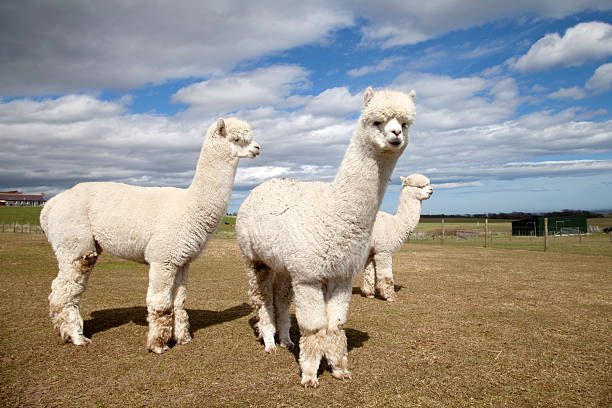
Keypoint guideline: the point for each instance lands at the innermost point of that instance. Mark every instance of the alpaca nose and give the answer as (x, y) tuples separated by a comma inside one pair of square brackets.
[(396, 132)]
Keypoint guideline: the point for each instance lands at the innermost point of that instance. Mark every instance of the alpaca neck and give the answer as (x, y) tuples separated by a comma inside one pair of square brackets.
[(361, 182), (214, 178), (408, 215)]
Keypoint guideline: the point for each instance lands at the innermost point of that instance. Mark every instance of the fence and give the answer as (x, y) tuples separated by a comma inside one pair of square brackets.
[(488, 234), (21, 228)]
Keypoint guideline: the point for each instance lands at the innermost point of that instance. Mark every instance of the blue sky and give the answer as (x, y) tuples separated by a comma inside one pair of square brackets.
[(514, 99)]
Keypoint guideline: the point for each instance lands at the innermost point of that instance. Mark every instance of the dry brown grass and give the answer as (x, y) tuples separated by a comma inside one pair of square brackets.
[(471, 327)]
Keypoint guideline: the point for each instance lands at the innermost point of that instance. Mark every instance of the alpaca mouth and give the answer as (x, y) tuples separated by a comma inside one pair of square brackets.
[(395, 143)]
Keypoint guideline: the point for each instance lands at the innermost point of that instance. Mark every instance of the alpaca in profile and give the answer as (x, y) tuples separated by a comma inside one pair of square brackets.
[(164, 227), (315, 237), (389, 234)]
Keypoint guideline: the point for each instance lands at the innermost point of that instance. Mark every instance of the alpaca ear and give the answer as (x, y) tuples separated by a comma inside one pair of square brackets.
[(412, 94), (221, 127), (402, 179), (368, 95)]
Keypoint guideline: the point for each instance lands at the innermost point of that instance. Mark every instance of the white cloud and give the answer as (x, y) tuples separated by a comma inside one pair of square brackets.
[(601, 81), (261, 87), (447, 186), (69, 45), (59, 142), (449, 103), (466, 131), (581, 43), (401, 22), (335, 102), (574, 92), (257, 174), (383, 65), (66, 109)]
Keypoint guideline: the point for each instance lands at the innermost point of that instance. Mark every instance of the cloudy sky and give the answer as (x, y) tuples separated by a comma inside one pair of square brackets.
[(514, 99)]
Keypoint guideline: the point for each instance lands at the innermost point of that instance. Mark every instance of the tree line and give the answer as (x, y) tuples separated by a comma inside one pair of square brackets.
[(517, 215)]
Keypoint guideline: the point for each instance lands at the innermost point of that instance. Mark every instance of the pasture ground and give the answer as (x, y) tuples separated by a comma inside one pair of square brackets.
[(470, 327)]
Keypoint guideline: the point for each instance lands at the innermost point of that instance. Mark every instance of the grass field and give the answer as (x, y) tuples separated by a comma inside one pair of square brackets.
[(470, 327), (20, 215)]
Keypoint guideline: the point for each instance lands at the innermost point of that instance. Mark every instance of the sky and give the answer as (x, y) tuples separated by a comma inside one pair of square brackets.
[(513, 99)]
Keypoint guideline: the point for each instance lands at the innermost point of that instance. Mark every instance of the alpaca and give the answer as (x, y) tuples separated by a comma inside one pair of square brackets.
[(314, 237), (164, 227), (390, 232)]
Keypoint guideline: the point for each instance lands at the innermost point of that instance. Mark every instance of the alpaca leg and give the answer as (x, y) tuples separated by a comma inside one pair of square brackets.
[(384, 276), (159, 305), (283, 294), (262, 298), (181, 320), (312, 319), (337, 298), (65, 298), (368, 278)]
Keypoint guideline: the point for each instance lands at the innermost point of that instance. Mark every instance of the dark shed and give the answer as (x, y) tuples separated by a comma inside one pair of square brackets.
[(567, 224)]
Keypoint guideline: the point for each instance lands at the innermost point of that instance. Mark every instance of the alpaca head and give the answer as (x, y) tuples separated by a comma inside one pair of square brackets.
[(386, 117), (417, 185), (234, 136)]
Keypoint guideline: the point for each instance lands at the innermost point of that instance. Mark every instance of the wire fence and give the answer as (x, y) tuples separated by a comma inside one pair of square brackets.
[(21, 228)]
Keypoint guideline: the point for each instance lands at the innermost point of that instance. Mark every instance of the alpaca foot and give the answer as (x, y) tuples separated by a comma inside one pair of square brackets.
[(159, 349), (184, 338), (342, 374), (390, 295), (271, 348), (310, 381), (386, 288), (156, 344), (370, 296), (160, 330), (180, 332), (80, 340), (287, 344)]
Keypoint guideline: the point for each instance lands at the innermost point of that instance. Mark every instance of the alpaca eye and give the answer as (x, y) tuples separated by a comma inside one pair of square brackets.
[(404, 125), (377, 123)]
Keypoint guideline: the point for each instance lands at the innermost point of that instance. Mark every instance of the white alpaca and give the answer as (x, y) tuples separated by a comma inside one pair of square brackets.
[(164, 227), (390, 232), (315, 237)]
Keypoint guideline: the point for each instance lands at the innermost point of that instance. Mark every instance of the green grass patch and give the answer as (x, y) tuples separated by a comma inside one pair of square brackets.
[(20, 215)]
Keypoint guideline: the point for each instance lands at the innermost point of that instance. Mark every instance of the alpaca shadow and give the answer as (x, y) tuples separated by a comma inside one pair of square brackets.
[(357, 291), (102, 320), (354, 339)]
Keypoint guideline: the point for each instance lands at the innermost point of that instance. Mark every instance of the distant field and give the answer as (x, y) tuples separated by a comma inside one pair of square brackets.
[(428, 232), (471, 327), (20, 215)]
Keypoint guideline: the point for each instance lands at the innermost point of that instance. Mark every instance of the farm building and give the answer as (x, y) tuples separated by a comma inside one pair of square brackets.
[(570, 224), (16, 199)]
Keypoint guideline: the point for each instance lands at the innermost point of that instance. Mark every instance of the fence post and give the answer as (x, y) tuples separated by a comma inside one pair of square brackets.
[(486, 232), (545, 234), (442, 230)]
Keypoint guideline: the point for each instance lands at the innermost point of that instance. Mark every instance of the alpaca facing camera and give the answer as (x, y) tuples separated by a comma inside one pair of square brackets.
[(314, 237)]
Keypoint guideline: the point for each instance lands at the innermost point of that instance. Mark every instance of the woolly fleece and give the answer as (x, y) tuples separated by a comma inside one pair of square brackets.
[(389, 234), (166, 228), (316, 235)]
